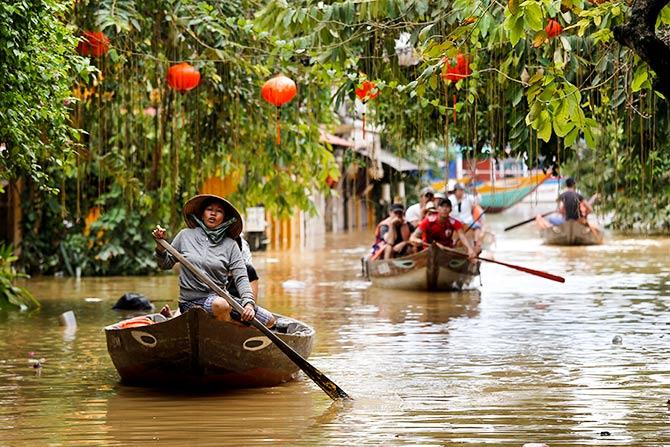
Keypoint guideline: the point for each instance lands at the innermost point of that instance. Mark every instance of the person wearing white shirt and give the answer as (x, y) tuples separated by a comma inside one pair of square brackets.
[(463, 206), (414, 214)]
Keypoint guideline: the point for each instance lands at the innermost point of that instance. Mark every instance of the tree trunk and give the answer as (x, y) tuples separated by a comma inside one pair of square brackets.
[(639, 34)]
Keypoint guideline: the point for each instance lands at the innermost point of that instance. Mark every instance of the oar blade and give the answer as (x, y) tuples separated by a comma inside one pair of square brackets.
[(328, 386)]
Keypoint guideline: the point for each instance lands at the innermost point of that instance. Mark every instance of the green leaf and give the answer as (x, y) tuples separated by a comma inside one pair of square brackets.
[(640, 77), (533, 16), (544, 126), (571, 137)]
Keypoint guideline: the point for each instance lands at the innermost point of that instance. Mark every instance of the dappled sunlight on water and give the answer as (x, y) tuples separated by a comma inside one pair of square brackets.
[(520, 359)]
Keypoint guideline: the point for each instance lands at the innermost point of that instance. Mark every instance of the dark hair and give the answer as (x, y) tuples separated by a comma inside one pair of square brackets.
[(570, 182), (396, 208), (444, 202)]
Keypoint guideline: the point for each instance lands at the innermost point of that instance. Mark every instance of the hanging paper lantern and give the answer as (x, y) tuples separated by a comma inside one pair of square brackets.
[(183, 77), (331, 182), (278, 91), (366, 91), (93, 43), (456, 72), (553, 28)]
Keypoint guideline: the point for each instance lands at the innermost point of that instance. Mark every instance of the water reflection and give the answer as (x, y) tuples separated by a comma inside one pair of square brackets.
[(518, 360)]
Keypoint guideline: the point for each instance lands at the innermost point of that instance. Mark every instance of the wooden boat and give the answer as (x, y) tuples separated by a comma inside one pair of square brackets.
[(195, 349), (503, 193), (430, 269), (571, 232)]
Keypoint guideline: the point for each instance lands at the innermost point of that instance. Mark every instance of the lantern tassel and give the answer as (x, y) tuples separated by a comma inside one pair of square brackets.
[(278, 128), (363, 127)]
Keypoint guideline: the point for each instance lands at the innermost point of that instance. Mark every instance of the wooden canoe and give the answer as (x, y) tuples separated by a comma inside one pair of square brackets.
[(430, 269), (195, 349), (571, 232)]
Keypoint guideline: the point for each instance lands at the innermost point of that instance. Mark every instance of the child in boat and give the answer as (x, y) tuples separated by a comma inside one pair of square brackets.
[(208, 242)]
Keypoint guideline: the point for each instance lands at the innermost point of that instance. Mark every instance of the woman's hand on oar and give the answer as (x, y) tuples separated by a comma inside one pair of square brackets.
[(327, 385), (511, 227), (515, 267)]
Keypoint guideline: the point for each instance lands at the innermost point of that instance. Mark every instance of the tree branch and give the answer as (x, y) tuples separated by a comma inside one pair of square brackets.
[(639, 34)]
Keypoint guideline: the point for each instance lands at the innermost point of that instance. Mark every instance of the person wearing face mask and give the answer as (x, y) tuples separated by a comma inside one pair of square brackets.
[(209, 243)]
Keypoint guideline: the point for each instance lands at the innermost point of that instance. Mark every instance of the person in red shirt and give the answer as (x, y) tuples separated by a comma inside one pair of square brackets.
[(438, 227)]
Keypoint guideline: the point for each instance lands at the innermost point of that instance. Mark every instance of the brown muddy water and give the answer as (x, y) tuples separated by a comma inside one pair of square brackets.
[(518, 360)]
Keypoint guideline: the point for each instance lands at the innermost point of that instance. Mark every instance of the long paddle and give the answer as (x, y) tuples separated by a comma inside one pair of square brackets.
[(515, 267), (327, 385), (511, 227)]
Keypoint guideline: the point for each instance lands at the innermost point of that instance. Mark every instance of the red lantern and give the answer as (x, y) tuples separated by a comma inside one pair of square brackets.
[(94, 43), (456, 72), (278, 91), (331, 182), (183, 77), (553, 28), (366, 91)]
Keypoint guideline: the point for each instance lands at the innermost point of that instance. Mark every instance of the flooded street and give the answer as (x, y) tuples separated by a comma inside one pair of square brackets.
[(518, 360)]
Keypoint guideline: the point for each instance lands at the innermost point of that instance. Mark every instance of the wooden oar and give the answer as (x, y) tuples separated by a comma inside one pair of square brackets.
[(515, 267), (511, 227), (327, 385)]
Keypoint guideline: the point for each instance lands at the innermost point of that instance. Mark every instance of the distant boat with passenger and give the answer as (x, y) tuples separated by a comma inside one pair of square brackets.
[(195, 349), (571, 232), (430, 269)]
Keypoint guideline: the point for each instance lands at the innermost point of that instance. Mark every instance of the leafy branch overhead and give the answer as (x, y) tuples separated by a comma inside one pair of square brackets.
[(551, 37)]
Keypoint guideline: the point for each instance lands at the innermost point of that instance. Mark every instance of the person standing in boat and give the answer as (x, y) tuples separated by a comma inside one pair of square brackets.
[(464, 206), (438, 226), (392, 235), (209, 243), (415, 213), (569, 204)]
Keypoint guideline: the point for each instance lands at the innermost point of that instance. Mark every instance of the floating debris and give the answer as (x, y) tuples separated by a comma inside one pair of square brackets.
[(617, 340), (67, 319), (293, 284)]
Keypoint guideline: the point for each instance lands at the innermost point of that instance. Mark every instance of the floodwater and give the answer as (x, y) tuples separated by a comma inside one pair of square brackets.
[(518, 360)]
